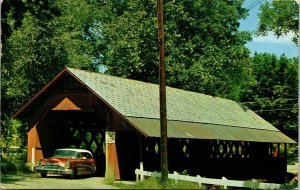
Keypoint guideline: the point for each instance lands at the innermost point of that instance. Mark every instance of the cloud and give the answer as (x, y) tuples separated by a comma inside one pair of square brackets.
[(271, 38)]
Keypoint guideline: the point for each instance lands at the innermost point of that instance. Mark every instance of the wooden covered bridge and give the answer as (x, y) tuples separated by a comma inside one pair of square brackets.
[(118, 120)]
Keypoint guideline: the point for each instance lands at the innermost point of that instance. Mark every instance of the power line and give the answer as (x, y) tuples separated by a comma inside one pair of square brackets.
[(272, 110), (290, 99), (251, 6)]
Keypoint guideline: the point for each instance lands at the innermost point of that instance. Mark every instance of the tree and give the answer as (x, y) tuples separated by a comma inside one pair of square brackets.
[(280, 17), (39, 41), (57, 35), (274, 93), (11, 136), (205, 52)]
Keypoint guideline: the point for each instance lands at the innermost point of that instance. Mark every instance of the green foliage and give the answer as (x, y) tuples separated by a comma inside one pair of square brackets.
[(281, 17), (294, 185), (274, 92), (41, 38), (43, 45), (292, 154), (13, 145), (13, 160), (14, 168), (8, 168), (204, 50), (13, 135)]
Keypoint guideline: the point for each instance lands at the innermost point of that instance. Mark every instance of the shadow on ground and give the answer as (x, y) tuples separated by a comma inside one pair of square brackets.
[(11, 178), (34, 181)]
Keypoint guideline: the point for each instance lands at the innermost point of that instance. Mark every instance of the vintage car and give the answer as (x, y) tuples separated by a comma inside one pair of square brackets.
[(67, 161)]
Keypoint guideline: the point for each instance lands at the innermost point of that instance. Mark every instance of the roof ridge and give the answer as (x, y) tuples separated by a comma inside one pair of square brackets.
[(150, 83), (109, 75)]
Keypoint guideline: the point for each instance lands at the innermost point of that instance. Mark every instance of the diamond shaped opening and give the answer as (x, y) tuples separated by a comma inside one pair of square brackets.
[(240, 149), (156, 148), (82, 146), (184, 149), (77, 134), (88, 136), (94, 147), (98, 138), (221, 148)]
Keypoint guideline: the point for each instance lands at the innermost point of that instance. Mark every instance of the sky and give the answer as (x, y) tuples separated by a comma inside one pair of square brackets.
[(269, 43)]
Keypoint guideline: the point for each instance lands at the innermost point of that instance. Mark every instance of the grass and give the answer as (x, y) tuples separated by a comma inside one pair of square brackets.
[(14, 168), (154, 183), (19, 176), (291, 185)]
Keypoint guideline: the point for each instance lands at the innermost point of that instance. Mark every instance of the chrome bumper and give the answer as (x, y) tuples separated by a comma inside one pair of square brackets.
[(61, 171)]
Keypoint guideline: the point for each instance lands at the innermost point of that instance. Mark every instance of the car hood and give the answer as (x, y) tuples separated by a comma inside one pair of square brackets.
[(54, 160)]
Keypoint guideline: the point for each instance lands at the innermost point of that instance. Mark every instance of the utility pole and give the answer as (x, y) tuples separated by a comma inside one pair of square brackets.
[(162, 94)]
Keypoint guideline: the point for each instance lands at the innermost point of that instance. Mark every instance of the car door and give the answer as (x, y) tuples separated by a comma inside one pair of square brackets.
[(81, 164), (91, 165), (87, 163)]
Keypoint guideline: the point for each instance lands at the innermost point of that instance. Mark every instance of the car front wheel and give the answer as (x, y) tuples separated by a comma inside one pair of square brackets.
[(43, 174), (74, 173)]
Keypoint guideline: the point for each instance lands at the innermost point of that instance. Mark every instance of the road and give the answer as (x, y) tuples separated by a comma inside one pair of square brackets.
[(34, 181)]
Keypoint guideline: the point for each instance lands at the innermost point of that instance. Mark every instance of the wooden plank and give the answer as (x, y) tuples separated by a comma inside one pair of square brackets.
[(112, 166)]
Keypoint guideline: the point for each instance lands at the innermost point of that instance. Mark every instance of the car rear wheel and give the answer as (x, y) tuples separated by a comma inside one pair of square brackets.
[(43, 174)]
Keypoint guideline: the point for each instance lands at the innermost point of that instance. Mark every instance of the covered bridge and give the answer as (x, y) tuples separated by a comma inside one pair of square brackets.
[(118, 120)]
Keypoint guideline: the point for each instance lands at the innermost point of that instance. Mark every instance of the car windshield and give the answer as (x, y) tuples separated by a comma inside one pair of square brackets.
[(66, 154)]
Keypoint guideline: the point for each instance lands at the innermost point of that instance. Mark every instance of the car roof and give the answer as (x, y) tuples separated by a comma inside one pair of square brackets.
[(75, 149)]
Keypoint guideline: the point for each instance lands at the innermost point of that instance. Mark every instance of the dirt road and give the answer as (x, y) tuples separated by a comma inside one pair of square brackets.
[(34, 181)]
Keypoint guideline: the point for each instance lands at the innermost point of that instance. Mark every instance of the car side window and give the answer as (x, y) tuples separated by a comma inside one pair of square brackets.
[(89, 156), (86, 155), (78, 155), (82, 155)]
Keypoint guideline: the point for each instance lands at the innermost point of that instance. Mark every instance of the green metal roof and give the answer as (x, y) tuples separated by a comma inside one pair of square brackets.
[(189, 114)]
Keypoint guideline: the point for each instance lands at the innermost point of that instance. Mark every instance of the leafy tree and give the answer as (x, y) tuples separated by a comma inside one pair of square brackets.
[(204, 50), (274, 93), (11, 136), (12, 14), (53, 37), (39, 41), (281, 17)]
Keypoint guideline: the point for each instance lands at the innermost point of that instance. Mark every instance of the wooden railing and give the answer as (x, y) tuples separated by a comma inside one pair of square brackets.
[(253, 184)]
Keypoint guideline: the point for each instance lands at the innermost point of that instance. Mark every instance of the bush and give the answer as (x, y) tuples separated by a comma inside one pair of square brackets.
[(292, 153), (14, 161), (8, 168)]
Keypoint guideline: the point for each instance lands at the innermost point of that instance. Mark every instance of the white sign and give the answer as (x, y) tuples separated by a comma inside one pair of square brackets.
[(110, 137)]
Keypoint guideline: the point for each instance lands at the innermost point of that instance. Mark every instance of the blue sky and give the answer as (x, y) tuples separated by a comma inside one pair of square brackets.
[(270, 43)]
